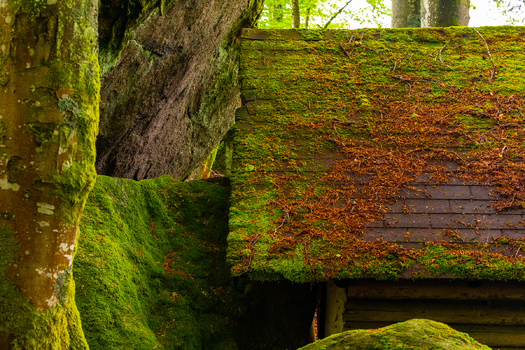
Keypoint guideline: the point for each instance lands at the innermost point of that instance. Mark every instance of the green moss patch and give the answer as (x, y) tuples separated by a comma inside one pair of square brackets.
[(413, 334), (150, 269)]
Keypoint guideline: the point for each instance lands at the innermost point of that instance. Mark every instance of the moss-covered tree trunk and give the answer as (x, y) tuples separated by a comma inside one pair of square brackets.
[(49, 96), (406, 13), (296, 17), (444, 13)]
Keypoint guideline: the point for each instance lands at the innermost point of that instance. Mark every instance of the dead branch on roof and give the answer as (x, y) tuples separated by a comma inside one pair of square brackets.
[(344, 50), (395, 66), (410, 78), (286, 217), (438, 54), (494, 70), (250, 245)]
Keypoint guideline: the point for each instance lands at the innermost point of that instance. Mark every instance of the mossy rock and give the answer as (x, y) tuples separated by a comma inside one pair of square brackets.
[(151, 273), (150, 270), (412, 334)]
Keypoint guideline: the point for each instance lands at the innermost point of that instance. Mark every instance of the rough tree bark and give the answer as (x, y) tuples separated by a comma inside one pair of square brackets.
[(406, 13), (171, 96), (49, 97), (296, 17), (444, 13)]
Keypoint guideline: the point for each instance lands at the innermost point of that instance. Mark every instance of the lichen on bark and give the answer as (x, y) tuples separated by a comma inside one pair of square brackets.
[(49, 98)]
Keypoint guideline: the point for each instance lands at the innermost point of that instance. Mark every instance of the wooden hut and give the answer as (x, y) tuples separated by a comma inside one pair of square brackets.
[(387, 163)]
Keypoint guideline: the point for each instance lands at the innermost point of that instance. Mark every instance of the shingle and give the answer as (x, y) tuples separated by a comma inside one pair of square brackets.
[(396, 207), (427, 206), (500, 221), (471, 206), (482, 192), (453, 221), (387, 234), (407, 220), (448, 192), (513, 234), (413, 192)]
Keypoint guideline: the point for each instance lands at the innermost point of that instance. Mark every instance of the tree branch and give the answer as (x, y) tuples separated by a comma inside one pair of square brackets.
[(336, 14)]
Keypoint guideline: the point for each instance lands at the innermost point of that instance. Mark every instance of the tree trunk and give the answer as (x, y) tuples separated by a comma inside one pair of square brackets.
[(444, 13), (307, 19), (296, 18), (406, 13), (49, 96)]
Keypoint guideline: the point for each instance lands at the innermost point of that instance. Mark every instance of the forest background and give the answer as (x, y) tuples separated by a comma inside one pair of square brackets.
[(356, 14)]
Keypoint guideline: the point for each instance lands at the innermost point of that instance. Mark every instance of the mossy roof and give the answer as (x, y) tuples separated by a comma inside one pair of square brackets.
[(390, 153)]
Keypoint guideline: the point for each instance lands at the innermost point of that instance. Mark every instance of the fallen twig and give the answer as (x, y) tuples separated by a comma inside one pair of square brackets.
[(494, 68), (346, 52), (415, 78), (286, 217), (439, 54)]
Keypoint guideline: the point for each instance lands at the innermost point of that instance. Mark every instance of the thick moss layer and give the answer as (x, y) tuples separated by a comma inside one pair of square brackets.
[(413, 334), (150, 270), (151, 273)]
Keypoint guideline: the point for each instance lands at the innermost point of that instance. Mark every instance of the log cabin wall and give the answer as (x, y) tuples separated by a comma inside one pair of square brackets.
[(492, 313)]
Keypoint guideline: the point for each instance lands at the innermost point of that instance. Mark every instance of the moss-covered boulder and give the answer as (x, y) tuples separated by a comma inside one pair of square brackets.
[(412, 334), (150, 270)]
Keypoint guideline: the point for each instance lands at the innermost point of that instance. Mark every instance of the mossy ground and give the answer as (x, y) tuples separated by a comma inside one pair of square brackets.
[(150, 269), (414, 334)]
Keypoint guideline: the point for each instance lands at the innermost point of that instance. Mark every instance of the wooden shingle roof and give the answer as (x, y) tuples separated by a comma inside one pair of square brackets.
[(380, 154)]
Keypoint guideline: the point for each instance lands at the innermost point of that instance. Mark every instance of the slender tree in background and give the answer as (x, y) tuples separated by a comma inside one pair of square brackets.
[(328, 14), (335, 14), (49, 97), (277, 13)]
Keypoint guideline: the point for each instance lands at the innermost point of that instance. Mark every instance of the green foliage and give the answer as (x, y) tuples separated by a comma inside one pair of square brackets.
[(317, 14), (150, 269)]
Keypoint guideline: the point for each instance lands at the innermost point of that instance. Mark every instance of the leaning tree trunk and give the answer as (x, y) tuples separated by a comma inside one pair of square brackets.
[(444, 13), (296, 18), (49, 96), (406, 13)]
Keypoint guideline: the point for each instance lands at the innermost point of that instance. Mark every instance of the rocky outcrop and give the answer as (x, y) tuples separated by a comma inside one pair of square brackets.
[(151, 273), (412, 334), (170, 95)]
